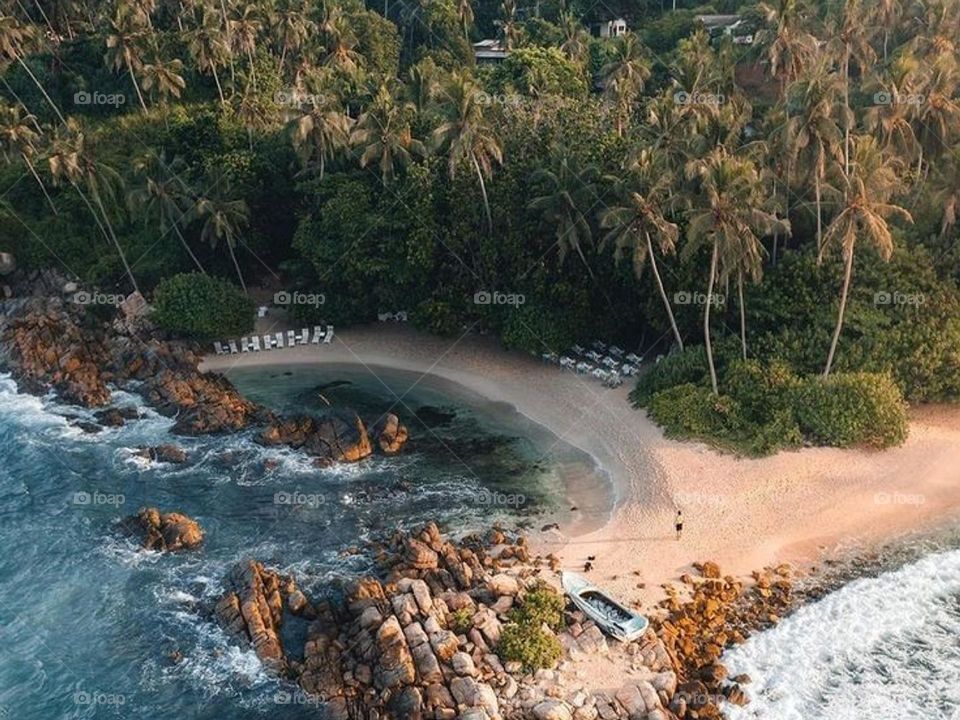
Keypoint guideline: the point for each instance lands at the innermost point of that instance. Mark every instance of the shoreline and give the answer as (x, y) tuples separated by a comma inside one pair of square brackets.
[(744, 514)]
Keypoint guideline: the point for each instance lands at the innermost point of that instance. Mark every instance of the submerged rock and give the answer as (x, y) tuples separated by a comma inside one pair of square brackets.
[(165, 531), (391, 434), (163, 454), (339, 436)]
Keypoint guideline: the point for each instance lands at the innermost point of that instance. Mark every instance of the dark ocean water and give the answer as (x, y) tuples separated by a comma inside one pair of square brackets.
[(88, 621)]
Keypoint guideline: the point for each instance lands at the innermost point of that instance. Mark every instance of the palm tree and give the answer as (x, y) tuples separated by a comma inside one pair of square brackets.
[(127, 33), (245, 31), (945, 189), (509, 29), (291, 28), (70, 160), (576, 39), (937, 117), (15, 42), (887, 15), (467, 135), (624, 76), (870, 184), (340, 40), (162, 196), (222, 217), (208, 48), (635, 224), (814, 141), (18, 138), (465, 13), (422, 85), (164, 76), (727, 216), (383, 134), (321, 131), (789, 46), (569, 196)]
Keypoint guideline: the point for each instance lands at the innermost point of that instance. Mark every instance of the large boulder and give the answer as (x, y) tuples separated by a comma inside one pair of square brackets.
[(391, 434), (339, 436), (163, 454), (165, 531)]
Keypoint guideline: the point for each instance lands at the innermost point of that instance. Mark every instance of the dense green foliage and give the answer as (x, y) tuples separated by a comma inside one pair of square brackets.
[(526, 638), (762, 213), (202, 307)]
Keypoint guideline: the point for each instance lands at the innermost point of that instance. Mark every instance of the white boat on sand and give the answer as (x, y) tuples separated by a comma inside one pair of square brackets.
[(609, 615)]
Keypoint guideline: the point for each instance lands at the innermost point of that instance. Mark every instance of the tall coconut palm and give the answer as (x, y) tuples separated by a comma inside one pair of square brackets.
[(890, 117), (886, 14), (291, 28), (945, 189), (870, 184), (125, 45), (70, 160), (339, 40), (164, 76), (16, 41), (566, 204), (245, 29), (576, 39), (161, 196), (320, 132), (18, 139), (383, 135), (509, 28), (465, 13), (624, 76), (467, 135), (208, 47), (727, 216), (423, 85), (639, 220), (937, 118), (222, 217)]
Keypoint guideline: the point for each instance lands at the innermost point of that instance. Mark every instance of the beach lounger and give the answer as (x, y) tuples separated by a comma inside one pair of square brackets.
[(255, 343), (233, 347), (635, 359), (578, 349), (244, 344), (262, 311), (599, 346), (279, 337), (584, 367), (218, 348), (594, 356), (291, 338), (304, 337), (384, 317), (609, 362), (614, 350), (548, 357), (317, 334), (328, 337), (268, 342), (628, 370), (567, 363), (401, 316)]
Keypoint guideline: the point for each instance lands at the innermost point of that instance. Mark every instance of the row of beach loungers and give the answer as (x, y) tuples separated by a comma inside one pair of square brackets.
[(278, 340), (608, 364)]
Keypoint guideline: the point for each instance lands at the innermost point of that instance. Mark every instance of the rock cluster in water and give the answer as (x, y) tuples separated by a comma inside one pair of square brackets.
[(162, 531), (48, 343)]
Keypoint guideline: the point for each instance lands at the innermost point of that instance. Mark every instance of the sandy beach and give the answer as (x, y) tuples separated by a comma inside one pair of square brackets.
[(742, 513)]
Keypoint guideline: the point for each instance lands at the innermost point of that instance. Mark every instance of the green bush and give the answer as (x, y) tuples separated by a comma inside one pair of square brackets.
[(852, 409), (689, 366), (202, 307), (531, 645), (460, 621), (541, 606)]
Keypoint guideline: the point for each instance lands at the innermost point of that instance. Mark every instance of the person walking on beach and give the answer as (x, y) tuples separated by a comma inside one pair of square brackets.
[(678, 523)]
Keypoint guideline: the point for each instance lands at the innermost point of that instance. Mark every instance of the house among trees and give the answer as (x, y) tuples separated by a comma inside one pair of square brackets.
[(612, 28), (489, 51), (733, 25)]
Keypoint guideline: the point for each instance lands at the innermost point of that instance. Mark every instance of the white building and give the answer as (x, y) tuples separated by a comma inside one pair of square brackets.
[(489, 51), (613, 28)]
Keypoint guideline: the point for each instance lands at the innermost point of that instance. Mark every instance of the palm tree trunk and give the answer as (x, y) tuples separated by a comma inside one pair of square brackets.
[(846, 103), (236, 266), (843, 308), (743, 315), (226, 29), (706, 319), (136, 86), (186, 246), (40, 87), (43, 188), (216, 79), (663, 293), (116, 243), (816, 191), (483, 191)]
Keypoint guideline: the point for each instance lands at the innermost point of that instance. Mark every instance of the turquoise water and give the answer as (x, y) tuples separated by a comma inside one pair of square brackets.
[(88, 622)]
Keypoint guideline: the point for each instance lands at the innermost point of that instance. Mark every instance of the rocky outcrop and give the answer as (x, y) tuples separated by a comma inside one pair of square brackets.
[(165, 531), (164, 454), (116, 417), (391, 434), (339, 436), (252, 609)]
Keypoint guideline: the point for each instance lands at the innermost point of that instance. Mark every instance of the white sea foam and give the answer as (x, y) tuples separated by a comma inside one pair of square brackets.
[(884, 647)]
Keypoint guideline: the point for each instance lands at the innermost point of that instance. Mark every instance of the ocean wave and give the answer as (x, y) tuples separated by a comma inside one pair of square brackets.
[(880, 647)]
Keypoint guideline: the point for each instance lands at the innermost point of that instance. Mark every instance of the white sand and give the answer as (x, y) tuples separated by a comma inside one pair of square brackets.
[(741, 513)]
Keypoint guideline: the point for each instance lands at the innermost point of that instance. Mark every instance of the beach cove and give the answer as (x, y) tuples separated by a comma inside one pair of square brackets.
[(742, 513)]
